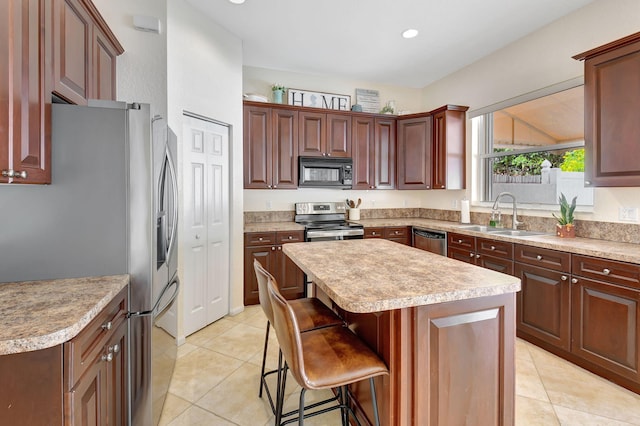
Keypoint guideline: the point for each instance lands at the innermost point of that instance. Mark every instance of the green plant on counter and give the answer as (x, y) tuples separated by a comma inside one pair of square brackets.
[(573, 161), (387, 109), (276, 87), (566, 210)]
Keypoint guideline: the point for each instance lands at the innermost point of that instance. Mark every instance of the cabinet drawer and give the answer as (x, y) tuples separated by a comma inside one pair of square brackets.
[(283, 237), (546, 258), (259, 238), (81, 351), (494, 248), (376, 232), (461, 241), (396, 232), (626, 274)]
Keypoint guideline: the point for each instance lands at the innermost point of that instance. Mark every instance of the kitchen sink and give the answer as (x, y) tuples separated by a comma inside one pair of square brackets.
[(518, 233), (501, 231)]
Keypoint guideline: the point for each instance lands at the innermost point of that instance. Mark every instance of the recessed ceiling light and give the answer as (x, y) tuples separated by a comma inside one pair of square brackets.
[(237, 1), (410, 33)]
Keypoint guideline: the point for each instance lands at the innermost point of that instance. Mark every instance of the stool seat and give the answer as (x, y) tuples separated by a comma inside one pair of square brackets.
[(335, 357), (312, 314)]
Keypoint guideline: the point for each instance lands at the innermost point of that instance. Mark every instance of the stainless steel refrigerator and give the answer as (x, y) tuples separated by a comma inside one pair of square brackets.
[(111, 209)]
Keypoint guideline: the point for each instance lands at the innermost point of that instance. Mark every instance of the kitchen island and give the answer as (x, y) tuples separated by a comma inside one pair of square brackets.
[(446, 329)]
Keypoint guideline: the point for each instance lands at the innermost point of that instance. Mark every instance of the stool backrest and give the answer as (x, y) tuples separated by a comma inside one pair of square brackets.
[(262, 275), (288, 332)]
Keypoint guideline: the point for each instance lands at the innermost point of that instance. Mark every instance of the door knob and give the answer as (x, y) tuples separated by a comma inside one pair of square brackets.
[(197, 236)]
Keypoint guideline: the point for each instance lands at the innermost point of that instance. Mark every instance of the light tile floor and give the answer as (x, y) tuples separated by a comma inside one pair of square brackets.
[(215, 382)]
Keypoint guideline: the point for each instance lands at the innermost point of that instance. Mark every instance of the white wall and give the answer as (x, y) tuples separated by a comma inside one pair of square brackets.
[(142, 68), (205, 77), (539, 60)]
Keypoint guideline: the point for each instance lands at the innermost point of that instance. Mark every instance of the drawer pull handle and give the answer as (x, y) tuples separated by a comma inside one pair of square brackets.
[(606, 271), (574, 281), (539, 257), (108, 357), (493, 247), (563, 278), (107, 325)]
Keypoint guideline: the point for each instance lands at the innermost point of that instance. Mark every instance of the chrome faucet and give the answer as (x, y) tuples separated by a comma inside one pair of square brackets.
[(515, 222)]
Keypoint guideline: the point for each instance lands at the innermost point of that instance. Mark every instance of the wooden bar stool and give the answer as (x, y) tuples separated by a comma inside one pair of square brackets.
[(326, 358), (310, 313)]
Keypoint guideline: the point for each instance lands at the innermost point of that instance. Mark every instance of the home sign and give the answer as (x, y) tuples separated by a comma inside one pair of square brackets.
[(319, 100)]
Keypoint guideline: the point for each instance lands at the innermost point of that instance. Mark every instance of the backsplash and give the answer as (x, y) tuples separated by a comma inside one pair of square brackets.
[(611, 231)]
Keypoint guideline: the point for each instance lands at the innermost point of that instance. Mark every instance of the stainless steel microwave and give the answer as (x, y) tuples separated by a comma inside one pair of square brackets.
[(323, 172)]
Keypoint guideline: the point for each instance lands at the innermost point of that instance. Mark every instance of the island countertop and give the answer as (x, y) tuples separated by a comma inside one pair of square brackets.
[(40, 314), (374, 275)]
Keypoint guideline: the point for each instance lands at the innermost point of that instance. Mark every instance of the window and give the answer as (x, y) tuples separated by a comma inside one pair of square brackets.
[(533, 147)]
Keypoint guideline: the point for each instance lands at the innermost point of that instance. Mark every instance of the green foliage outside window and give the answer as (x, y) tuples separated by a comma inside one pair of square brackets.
[(573, 161)]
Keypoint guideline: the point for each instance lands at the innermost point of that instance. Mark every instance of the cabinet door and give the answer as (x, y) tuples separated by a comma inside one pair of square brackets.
[(362, 148), (414, 153), (257, 147), (72, 51), (448, 150), (25, 120), (104, 67), (612, 121), (606, 326), (285, 149), (290, 278), (338, 135), (87, 401), (544, 304), (266, 256), (385, 154), (312, 137), (117, 378)]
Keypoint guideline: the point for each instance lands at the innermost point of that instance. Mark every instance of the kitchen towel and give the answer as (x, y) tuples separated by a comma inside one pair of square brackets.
[(465, 216)]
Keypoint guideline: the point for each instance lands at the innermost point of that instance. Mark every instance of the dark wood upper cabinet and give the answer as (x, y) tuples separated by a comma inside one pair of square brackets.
[(448, 171), (25, 114), (612, 117), (373, 147), (85, 51), (324, 135), (270, 148), (62, 47), (414, 152)]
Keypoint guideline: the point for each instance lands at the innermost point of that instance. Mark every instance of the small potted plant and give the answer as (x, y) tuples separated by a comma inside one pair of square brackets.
[(565, 227), (278, 90)]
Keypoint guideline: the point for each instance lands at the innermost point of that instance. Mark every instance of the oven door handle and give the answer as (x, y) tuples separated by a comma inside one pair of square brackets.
[(324, 234)]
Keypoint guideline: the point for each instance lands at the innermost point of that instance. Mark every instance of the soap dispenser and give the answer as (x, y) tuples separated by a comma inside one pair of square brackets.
[(496, 219)]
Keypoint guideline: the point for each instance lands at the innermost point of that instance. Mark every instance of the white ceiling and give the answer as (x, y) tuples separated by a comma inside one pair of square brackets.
[(360, 39)]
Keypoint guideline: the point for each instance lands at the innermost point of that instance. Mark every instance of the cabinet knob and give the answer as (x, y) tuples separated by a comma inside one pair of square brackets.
[(563, 278), (290, 237), (14, 174), (373, 233), (459, 241), (428, 187), (574, 280), (269, 186), (477, 256), (115, 349), (328, 154), (108, 357), (472, 254), (606, 271), (279, 248), (275, 186), (493, 247), (441, 186), (273, 248), (539, 257), (107, 325), (397, 232), (371, 187), (260, 239), (587, 182)]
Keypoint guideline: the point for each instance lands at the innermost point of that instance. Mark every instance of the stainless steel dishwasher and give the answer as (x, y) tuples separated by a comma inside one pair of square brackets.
[(430, 240)]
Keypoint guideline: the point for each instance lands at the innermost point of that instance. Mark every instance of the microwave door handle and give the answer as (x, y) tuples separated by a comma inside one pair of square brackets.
[(174, 191)]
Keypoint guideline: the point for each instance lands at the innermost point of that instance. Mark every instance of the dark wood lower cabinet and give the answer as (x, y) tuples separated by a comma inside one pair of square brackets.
[(606, 326), (448, 363), (544, 305)]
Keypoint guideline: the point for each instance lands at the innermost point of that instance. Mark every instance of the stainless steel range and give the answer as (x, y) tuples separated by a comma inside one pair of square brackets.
[(326, 221)]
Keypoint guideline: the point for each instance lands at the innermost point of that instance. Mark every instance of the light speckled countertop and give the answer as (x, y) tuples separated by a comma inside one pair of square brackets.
[(625, 252), (40, 314), (374, 275)]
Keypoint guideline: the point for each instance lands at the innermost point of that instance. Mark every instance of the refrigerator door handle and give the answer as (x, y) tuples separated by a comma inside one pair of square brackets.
[(174, 190), (155, 311)]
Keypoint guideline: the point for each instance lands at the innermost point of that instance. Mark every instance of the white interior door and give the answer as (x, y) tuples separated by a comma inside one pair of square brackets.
[(206, 222)]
